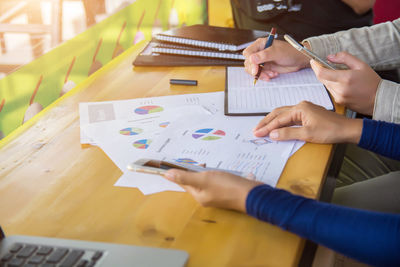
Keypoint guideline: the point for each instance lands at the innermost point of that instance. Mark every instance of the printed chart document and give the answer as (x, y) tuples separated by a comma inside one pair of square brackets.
[(125, 141), (242, 98), (140, 108), (186, 129), (224, 143)]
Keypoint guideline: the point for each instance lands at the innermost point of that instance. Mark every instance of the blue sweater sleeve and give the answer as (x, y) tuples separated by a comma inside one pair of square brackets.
[(369, 237), (381, 137)]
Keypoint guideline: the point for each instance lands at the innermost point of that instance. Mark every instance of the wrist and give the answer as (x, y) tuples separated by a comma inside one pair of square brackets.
[(353, 130), (242, 195)]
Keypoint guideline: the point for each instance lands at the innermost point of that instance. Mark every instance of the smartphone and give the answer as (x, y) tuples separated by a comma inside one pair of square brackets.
[(307, 52), (160, 167)]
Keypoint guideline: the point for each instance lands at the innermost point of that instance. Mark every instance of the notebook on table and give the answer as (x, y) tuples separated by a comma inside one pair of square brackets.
[(149, 58), (174, 49), (211, 37), (41, 251), (243, 98)]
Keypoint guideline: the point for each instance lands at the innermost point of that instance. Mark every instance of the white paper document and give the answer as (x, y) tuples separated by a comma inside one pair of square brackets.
[(184, 129), (125, 141), (287, 89), (140, 108), (225, 143)]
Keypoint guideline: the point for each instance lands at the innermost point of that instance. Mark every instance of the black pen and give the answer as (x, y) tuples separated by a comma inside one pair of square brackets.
[(183, 82), (267, 44)]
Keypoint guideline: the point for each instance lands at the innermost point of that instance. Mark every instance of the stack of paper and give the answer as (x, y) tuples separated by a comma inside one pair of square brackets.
[(182, 128)]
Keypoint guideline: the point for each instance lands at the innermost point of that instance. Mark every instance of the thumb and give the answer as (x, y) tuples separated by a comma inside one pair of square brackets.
[(262, 56), (348, 59), (184, 177), (287, 133)]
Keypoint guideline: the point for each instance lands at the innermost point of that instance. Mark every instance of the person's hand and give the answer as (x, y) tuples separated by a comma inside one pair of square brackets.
[(318, 125), (355, 88), (281, 57), (216, 189)]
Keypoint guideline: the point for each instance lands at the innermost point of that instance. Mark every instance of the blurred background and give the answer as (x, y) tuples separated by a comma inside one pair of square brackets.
[(48, 47), (29, 29)]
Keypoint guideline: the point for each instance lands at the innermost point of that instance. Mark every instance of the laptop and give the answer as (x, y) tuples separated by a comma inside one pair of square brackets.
[(41, 251)]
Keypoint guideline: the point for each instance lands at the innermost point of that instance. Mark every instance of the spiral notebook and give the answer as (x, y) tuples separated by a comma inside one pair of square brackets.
[(242, 98), (174, 49), (211, 37), (149, 58)]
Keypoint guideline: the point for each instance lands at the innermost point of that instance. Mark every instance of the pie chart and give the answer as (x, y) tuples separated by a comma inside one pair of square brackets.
[(148, 110), (142, 144), (130, 131), (208, 134), (164, 124), (186, 160)]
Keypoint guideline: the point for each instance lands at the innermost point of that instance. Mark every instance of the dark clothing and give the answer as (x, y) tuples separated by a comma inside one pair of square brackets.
[(370, 237), (301, 19)]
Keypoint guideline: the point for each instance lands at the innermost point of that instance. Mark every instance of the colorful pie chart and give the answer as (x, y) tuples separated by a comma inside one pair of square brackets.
[(208, 134), (148, 110), (131, 131), (142, 144), (164, 124), (186, 160)]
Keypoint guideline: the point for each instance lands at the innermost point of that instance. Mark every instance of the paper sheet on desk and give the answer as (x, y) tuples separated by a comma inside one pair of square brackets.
[(285, 90), (232, 146), (125, 141), (225, 143), (94, 112)]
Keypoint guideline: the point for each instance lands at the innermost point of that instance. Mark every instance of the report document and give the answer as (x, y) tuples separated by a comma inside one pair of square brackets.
[(243, 98)]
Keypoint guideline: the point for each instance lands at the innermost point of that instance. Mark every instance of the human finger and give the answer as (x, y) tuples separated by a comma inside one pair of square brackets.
[(323, 74), (270, 116), (336, 90), (284, 119), (195, 179), (288, 133), (251, 68), (262, 56), (256, 46), (191, 190), (265, 76), (348, 59)]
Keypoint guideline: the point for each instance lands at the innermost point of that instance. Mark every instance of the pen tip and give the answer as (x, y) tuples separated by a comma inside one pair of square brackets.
[(255, 81)]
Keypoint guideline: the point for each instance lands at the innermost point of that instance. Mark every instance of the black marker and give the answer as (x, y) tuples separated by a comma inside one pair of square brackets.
[(183, 82)]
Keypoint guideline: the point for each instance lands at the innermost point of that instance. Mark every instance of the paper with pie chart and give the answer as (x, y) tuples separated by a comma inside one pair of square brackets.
[(141, 108), (225, 143), (188, 129), (127, 140)]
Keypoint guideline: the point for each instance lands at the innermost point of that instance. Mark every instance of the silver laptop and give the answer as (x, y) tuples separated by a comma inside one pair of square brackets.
[(41, 251)]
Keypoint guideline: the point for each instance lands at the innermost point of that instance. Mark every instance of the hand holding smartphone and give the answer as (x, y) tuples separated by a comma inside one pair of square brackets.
[(307, 52), (160, 167)]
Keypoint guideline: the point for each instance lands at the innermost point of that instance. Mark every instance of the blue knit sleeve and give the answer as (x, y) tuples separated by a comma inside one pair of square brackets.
[(381, 137), (369, 237)]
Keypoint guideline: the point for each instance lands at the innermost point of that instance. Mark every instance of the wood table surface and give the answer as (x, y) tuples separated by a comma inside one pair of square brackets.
[(52, 186)]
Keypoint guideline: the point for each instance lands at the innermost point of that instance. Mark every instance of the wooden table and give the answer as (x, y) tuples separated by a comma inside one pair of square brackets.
[(52, 186)]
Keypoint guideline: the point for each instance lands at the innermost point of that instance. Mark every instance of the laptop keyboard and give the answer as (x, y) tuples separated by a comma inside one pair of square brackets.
[(22, 254)]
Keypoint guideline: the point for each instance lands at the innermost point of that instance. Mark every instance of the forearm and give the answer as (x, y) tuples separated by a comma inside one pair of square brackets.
[(387, 102), (376, 45), (370, 237), (381, 137)]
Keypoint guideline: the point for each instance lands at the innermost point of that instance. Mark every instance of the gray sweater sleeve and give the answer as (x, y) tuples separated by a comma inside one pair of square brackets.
[(378, 46)]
